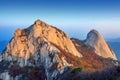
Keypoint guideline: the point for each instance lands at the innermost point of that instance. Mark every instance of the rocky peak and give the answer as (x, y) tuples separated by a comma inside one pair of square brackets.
[(54, 36), (39, 32), (40, 44), (38, 22), (95, 40), (43, 52)]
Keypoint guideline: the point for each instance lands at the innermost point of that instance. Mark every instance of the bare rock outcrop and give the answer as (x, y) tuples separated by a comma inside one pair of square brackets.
[(39, 44), (95, 40), (43, 52), (54, 36)]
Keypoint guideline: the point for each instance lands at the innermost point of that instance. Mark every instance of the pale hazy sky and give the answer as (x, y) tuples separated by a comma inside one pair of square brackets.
[(75, 17)]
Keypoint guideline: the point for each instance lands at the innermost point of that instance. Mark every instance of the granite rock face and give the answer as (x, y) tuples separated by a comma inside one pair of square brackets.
[(36, 46), (43, 52), (95, 40)]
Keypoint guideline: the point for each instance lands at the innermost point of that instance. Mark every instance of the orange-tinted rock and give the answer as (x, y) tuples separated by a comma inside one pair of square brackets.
[(95, 40), (18, 33), (27, 44), (38, 22), (23, 38)]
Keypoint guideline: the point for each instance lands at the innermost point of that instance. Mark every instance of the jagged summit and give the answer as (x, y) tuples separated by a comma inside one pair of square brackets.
[(25, 42), (95, 40), (39, 32), (40, 44)]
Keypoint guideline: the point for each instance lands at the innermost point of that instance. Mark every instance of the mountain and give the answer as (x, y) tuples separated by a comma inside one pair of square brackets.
[(95, 40), (43, 52), (40, 44)]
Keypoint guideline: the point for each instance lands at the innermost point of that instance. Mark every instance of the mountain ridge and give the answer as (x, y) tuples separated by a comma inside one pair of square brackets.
[(43, 52)]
